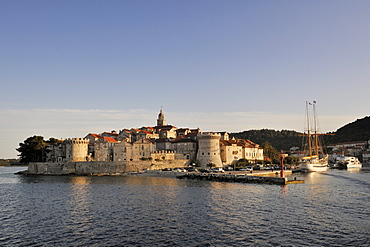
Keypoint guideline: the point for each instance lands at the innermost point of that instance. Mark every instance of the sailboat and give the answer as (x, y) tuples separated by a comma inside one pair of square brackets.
[(316, 160)]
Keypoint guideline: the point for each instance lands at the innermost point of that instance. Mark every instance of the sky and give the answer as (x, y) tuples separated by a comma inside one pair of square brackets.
[(69, 68)]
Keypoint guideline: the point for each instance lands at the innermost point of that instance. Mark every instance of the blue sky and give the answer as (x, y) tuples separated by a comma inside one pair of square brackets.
[(68, 68)]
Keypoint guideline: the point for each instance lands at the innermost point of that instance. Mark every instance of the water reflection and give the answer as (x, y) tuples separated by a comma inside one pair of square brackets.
[(354, 170), (78, 206)]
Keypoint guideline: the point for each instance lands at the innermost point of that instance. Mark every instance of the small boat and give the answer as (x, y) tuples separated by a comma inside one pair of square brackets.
[(348, 162), (315, 160)]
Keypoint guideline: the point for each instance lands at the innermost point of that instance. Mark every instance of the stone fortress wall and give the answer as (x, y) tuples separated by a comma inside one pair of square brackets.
[(99, 168)]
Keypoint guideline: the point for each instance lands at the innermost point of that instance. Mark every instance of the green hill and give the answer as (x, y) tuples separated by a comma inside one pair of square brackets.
[(281, 140), (358, 130)]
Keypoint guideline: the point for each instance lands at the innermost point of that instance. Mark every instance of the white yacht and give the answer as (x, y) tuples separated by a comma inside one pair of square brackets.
[(348, 162)]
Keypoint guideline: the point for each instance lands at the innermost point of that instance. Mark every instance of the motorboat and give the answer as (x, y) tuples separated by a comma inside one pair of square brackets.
[(348, 162)]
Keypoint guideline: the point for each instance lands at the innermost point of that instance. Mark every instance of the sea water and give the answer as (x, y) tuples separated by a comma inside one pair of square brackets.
[(329, 209)]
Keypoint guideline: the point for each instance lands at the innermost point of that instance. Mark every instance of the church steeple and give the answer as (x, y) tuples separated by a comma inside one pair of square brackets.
[(161, 121)]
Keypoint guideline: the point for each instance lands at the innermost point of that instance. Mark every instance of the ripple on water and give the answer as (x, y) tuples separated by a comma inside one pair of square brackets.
[(128, 211)]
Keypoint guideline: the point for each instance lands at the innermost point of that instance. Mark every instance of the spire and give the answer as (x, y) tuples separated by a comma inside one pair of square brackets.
[(161, 121)]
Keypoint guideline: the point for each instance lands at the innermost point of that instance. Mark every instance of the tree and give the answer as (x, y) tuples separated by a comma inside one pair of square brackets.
[(242, 163), (270, 152), (32, 149), (291, 160), (53, 141)]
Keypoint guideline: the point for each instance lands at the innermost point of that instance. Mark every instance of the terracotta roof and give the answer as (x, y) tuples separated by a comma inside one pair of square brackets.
[(228, 142), (183, 139), (110, 139), (182, 129), (166, 127), (149, 128), (192, 134), (147, 132), (110, 133), (95, 135)]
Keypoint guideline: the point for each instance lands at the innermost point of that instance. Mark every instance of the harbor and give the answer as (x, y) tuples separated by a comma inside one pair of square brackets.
[(260, 177)]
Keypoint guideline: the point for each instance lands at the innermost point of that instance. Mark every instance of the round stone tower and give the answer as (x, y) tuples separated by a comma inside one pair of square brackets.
[(209, 149), (76, 149)]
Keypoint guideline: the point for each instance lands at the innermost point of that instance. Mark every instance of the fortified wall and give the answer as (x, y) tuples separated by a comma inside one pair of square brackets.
[(76, 168), (96, 168)]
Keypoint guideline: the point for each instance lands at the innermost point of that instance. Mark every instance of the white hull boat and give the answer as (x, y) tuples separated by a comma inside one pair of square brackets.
[(348, 162)]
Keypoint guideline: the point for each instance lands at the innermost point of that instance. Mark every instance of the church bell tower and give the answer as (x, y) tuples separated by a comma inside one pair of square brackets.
[(161, 121)]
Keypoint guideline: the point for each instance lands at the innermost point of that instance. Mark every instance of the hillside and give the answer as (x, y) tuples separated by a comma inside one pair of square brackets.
[(281, 140), (358, 130)]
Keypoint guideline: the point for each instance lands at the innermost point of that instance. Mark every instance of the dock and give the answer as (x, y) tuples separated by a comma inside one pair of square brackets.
[(236, 178)]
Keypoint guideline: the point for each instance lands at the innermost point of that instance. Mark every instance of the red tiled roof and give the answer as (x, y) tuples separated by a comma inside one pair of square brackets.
[(228, 142), (149, 128), (166, 127), (183, 139), (147, 132), (110, 139), (110, 133), (95, 135)]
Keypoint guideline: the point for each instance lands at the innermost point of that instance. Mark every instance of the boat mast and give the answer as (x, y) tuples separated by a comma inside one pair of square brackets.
[(315, 129), (308, 130)]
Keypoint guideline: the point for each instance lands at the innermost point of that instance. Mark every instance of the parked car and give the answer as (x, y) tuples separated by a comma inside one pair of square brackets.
[(248, 168), (192, 169), (179, 170), (217, 169)]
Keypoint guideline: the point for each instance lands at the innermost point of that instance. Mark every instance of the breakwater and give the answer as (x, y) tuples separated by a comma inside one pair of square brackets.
[(234, 178)]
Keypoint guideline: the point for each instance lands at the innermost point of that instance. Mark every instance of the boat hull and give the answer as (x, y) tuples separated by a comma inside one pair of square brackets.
[(313, 168), (354, 166)]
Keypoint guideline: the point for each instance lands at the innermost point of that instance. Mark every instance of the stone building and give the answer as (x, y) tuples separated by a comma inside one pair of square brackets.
[(55, 152), (142, 149), (186, 146), (123, 151), (104, 148), (251, 150), (230, 151), (209, 149)]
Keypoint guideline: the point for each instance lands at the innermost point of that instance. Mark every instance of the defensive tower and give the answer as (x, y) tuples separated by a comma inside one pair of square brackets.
[(76, 149), (209, 149)]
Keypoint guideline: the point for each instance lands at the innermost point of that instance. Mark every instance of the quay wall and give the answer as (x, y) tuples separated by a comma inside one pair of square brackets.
[(100, 167), (76, 168), (235, 178), (137, 166)]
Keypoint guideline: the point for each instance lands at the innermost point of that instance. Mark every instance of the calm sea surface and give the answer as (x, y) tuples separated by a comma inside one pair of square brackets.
[(330, 209)]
